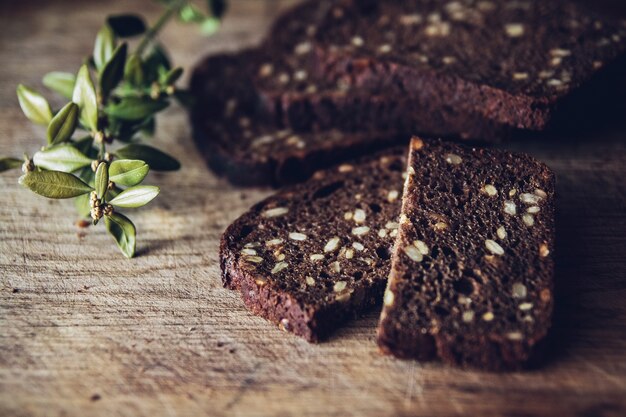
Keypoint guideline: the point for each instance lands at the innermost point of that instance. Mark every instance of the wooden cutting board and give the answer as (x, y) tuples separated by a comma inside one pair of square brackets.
[(84, 332)]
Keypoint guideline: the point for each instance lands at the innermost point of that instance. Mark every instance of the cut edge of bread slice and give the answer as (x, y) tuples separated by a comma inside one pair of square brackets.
[(488, 307)]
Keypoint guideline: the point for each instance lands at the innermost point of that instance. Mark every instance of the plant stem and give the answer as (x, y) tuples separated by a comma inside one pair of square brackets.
[(102, 150), (154, 30)]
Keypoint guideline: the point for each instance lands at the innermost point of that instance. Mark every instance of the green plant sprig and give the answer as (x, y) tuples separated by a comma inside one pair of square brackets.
[(114, 97)]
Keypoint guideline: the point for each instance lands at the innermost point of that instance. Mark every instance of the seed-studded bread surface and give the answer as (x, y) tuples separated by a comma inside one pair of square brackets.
[(242, 141), (319, 252), (509, 61), (472, 269), (292, 83)]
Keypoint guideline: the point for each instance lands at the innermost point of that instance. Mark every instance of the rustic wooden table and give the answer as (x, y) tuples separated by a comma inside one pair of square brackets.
[(84, 332)]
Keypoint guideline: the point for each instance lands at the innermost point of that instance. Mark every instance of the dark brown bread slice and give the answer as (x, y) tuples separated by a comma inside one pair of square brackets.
[(292, 85), (511, 62), (241, 140), (355, 111), (318, 253), (472, 269)]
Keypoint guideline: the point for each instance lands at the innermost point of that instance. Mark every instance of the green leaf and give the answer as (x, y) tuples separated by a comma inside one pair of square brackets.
[(127, 130), (123, 130), (34, 105), (157, 160), (10, 163), (113, 70), (85, 96), (123, 231), (104, 47), (172, 76), (157, 57), (114, 192), (84, 145), (128, 172), (155, 61), (209, 26), (87, 175), (64, 158), (127, 25), (190, 14), (81, 203), (134, 197), (63, 124), (60, 82), (148, 128), (217, 7), (54, 184), (102, 179), (135, 108), (133, 71)]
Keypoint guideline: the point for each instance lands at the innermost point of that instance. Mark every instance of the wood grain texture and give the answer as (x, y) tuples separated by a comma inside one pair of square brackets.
[(85, 333)]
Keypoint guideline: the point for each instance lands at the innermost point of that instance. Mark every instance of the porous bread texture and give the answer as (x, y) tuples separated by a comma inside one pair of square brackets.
[(510, 62), (472, 270), (318, 253), (302, 92), (241, 141)]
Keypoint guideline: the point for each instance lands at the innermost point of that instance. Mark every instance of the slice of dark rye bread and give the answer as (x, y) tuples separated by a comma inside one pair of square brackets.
[(290, 81), (241, 140), (316, 254), (355, 111), (512, 62), (472, 270)]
